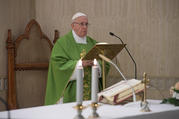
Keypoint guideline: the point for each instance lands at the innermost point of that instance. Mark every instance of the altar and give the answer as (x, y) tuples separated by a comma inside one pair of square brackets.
[(66, 111)]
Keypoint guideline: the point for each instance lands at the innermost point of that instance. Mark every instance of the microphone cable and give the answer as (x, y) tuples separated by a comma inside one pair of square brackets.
[(108, 60), (157, 89), (6, 105)]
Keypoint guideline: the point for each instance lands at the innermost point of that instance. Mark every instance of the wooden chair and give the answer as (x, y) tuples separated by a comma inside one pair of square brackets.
[(28, 56)]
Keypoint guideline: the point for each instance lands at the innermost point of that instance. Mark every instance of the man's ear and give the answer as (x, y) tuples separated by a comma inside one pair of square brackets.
[(72, 25)]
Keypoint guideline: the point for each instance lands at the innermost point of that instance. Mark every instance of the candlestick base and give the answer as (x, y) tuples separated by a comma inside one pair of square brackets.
[(94, 114), (79, 111), (79, 117), (144, 107)]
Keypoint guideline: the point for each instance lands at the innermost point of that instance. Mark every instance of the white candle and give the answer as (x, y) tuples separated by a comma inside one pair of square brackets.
[(94, 87), (79, 83)]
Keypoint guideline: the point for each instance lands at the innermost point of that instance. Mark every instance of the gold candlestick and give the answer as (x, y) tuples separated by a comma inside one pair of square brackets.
[(79, 111), (144, 103), (94, 114)]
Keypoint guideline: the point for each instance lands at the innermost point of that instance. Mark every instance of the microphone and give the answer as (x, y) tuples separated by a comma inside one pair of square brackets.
[(109, 61), (135, 65)]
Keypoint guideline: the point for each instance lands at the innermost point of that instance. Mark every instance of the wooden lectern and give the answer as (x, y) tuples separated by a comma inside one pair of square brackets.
[(108, 50)]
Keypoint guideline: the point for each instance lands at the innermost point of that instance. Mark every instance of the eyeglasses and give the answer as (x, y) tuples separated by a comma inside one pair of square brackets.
[(81, 24)]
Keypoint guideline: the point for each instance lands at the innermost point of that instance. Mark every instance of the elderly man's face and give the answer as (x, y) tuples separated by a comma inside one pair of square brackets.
[(80, 26)]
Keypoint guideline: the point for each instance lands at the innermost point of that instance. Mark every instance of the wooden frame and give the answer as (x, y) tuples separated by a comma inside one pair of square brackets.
[(12, 47)]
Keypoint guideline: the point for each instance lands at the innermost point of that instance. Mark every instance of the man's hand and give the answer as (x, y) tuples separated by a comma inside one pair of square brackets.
[(86, 63)]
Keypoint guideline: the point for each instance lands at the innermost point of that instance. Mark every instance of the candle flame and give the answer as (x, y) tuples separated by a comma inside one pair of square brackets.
[(95, 62)]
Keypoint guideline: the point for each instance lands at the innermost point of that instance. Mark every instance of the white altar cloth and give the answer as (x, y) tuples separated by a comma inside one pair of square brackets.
[(66, 111)]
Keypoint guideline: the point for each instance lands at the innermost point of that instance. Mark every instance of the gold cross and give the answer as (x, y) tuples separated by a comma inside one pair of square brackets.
[(83, 53)]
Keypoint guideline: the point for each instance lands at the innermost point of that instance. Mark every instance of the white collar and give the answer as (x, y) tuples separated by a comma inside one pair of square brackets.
[(79, 39)]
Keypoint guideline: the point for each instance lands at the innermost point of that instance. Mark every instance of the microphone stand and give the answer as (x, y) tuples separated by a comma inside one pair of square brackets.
[(135, 65)]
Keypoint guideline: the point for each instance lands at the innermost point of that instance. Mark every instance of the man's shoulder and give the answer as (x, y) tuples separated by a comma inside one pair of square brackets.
[(91, 39), (65, 38)]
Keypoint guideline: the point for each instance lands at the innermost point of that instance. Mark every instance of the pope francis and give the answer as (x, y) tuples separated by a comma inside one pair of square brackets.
[(61, 84)]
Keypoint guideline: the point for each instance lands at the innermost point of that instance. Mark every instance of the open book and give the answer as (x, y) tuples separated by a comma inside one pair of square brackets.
[(120, 92)]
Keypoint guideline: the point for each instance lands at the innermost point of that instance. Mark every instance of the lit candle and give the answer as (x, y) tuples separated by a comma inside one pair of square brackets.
[(94, 87), (79, 83)]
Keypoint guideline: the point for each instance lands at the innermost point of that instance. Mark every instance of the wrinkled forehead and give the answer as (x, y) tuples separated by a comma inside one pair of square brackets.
[(81, 19)]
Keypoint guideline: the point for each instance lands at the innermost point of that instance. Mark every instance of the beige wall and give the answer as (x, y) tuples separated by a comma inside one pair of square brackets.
[(14, 15), (150, 28)]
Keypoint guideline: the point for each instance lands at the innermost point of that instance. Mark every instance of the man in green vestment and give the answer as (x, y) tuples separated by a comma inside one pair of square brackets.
[(61, 84)]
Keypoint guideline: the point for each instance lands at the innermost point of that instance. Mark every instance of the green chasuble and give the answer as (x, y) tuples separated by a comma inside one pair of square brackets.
[(65, 54)]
